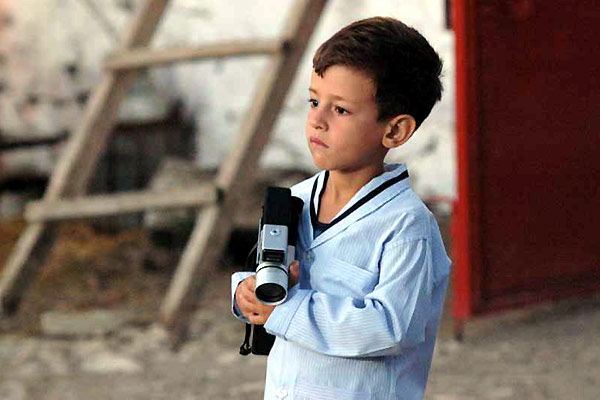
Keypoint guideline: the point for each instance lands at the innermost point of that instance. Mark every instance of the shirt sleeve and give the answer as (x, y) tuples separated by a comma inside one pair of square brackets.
[(236, 279), (390, 318)]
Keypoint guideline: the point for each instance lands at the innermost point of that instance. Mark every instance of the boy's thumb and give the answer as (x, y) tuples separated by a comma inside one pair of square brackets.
[(294, 273)]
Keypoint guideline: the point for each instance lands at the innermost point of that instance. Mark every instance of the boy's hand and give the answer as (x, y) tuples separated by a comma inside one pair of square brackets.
[(250, 306), (294, 273), (254, 310)]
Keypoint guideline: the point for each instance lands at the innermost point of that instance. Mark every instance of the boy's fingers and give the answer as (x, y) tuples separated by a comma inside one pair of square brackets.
[(261, 315), (242, 292), (249, 305), (250, 283), (245, 298), (253, 310), (257, 319), (249, 308), (294, 273)]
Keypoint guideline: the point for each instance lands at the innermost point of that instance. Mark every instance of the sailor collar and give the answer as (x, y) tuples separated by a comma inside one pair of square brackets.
[(370, 197)]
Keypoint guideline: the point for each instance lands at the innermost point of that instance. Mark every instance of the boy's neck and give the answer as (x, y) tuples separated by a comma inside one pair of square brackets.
[(346, 184), (341, 187)]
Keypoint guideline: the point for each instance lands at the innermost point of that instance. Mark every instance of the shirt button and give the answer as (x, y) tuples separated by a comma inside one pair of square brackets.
[(309, 257), (281, 394)]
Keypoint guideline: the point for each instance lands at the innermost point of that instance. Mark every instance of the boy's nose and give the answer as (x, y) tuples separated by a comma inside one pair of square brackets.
[(317, 120)]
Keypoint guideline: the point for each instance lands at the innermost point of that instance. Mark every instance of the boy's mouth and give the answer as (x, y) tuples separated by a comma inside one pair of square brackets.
[(315, 140)]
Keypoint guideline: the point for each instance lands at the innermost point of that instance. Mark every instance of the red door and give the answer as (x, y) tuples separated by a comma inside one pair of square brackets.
[(527, 218)]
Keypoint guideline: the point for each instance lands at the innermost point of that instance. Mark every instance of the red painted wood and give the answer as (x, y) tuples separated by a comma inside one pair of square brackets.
[(528, 148), (464, 255)]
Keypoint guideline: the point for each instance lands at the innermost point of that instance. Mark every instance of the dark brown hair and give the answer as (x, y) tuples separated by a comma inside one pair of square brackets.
[(404, 67)]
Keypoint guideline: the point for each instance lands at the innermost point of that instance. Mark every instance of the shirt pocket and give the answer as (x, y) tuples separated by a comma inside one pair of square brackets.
[(340, 278)]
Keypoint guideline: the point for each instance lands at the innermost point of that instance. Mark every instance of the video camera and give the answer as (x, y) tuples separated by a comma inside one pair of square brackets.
[(275, 250)]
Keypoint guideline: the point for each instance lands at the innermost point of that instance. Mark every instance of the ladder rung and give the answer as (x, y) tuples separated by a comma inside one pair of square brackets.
[(144, 57), (117, 204)]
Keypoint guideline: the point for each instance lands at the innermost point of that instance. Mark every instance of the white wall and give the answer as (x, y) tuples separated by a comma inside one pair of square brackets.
[(49, 33)]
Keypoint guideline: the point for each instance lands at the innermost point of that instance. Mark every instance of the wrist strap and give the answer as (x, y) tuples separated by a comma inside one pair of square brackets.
[(245, 348)]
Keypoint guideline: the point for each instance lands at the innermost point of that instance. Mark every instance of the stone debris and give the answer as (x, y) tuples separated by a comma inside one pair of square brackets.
[(546, 356), (107, 363), (89, 323), (12, 390), (255, 388)]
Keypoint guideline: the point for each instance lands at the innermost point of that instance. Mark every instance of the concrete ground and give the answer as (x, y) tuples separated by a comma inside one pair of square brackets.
[(548, 352)]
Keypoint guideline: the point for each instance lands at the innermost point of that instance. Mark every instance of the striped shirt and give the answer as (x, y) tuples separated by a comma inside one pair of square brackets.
[(362, 321)]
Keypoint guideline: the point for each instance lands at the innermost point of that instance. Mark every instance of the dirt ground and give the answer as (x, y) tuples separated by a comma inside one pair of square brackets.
[(87, 269), (545, 352)]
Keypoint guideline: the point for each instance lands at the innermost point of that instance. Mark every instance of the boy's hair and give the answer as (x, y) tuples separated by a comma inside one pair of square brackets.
[(404, 67)]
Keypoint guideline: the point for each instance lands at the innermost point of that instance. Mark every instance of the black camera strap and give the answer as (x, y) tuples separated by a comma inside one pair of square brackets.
[(354, 207), (245, 348)]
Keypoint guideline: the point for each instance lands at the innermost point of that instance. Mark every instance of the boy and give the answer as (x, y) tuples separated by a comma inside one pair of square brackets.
[(372, 271)]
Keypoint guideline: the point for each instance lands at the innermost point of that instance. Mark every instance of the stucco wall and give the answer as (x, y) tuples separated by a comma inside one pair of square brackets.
[(45, 39)]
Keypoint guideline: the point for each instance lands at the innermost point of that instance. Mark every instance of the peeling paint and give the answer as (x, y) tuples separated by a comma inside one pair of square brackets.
[(53, 51)]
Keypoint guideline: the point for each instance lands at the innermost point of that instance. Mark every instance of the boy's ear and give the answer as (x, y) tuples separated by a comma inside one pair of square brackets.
[(399, 130)]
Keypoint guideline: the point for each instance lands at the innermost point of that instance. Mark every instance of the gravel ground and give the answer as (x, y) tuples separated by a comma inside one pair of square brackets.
[(548, 352)]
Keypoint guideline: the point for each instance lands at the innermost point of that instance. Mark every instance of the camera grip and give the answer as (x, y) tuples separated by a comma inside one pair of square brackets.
[(261, 341)]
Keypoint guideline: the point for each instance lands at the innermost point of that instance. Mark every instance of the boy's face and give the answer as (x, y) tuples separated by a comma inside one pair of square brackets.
[(342, 130)]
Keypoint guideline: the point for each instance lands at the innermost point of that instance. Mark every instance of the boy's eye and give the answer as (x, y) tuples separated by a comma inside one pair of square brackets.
[(313, 103), (341, 111)]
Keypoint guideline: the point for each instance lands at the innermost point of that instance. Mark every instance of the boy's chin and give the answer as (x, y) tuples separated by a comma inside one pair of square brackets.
[(321, 164)]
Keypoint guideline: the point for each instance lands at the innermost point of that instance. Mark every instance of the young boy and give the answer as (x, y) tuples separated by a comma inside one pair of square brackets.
[(372, 271)]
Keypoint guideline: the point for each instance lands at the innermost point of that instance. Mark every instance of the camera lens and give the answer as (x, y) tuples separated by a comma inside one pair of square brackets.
[(270, 292)]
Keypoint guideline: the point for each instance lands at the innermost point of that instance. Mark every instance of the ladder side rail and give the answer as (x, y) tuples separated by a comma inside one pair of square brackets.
[(70, 175), (214, 223), (75, 166)]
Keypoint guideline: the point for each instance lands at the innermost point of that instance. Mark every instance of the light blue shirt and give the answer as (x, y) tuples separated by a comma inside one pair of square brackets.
[(363, 319)]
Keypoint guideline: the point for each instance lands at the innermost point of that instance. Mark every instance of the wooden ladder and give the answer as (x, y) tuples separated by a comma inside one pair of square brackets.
[(64, 198)]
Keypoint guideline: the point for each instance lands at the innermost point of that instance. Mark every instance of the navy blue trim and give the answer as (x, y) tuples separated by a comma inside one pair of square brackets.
[(319, 228), (355, 206), (313, 214)]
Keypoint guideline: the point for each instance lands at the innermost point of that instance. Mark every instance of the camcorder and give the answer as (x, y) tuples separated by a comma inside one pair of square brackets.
[(271, 258)]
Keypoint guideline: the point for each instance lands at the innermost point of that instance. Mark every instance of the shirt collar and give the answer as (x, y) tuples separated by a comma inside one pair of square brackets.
[(391, 171)]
